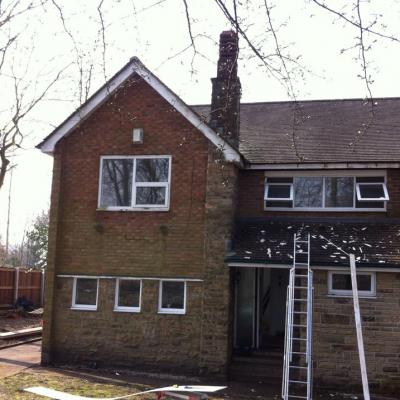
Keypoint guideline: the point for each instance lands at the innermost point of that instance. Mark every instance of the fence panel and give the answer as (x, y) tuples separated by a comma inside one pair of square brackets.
[(28, 284), (7, 285)]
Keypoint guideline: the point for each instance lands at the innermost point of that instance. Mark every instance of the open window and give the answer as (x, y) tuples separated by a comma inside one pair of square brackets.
[(372, 191), (339, 284), (85, 293), (331, 190), (278, 192)]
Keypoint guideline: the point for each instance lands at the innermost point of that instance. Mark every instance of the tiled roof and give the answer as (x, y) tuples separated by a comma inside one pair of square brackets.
[(375, 242), (324, 131)]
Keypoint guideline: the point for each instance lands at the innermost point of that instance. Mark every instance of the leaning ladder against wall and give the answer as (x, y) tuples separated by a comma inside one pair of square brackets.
[(297, 363)]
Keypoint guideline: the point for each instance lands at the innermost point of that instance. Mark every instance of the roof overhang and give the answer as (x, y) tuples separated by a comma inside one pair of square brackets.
[(135, 66), (318, 166), (331, 267)]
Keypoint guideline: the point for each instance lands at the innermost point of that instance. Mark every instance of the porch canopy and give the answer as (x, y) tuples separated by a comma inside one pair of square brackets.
[(374, 241)]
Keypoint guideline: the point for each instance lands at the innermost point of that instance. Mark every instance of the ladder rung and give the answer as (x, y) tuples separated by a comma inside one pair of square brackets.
[(303, 382), (299, 326), (296, 338), (297, 367), (301, 263), (301, 241), (296, 397), (301, 252), (299, 300), (300, 276), (301, 287), (299, 312), (299, 352)]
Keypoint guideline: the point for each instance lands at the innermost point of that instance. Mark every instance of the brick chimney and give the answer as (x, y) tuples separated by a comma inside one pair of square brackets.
[(226, 90)]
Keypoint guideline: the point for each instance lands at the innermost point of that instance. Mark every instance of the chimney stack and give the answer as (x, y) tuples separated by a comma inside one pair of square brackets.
[(226, 90)]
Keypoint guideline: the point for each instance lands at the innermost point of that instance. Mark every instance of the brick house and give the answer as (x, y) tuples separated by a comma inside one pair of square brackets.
[(171, 230)]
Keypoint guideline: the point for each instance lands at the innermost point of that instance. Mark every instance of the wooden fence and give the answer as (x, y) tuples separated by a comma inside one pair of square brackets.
[(18, 282)]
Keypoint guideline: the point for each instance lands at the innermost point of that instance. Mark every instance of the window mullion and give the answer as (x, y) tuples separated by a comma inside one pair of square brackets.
[(133, 200)]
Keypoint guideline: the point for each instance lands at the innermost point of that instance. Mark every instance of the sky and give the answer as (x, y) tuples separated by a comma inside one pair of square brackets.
[(158, 35)]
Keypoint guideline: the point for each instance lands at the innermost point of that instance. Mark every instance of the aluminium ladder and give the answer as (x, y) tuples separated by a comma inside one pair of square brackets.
[(297, 362)]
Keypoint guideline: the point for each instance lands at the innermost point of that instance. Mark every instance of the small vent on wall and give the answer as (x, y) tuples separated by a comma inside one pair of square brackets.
[(137, 135)]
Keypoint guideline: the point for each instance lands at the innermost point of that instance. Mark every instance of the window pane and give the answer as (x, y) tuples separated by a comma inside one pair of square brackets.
[(373, 179), (371, 191), (129, 293), (150, 195), (280, 180), (286, 204), (339, 192), (308, 191), (370, 204), (278, 191), (116, 183), (343, 282), (173, 295), (86, 291), (152, 169)]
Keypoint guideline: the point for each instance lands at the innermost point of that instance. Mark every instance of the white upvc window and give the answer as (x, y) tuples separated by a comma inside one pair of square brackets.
[(343, 190), (339, 284), (278, 192), (172, 297), (372, 191), (135, 183), (85, 293), (128, 295)]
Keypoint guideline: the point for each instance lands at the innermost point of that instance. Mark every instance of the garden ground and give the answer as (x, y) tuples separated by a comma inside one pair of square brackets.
[(20, 366)]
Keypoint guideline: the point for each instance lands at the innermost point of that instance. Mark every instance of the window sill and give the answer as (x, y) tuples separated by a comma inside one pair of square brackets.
[(83, 308), (173, 312), (130, 209), (127, 310), (326, 210), (350, 296)]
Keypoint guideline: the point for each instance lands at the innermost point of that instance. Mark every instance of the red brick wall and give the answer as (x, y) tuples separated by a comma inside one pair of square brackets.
[(133, 241), (251, 195)]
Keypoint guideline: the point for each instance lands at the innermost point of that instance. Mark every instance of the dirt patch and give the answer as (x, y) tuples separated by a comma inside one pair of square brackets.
[(14, 322)]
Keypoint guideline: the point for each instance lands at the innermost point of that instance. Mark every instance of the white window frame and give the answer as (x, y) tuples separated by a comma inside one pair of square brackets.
[(119, 308), (135, 185), (385, 191), (87, 307), (162, 310), (349, 293), (267, 185), (327, 174)]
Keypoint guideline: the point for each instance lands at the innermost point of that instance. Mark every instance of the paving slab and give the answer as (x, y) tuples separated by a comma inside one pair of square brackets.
[(16, 359)]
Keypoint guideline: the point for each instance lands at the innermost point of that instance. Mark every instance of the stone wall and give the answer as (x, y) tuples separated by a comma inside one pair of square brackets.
[(217, 302), (145, 340), (336, 361)]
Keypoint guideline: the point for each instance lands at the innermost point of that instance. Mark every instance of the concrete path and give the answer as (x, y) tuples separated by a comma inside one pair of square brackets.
[(16, 359)]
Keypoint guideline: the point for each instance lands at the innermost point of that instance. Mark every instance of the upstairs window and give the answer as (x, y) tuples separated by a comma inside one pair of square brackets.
[(141, 182), (334, 192)]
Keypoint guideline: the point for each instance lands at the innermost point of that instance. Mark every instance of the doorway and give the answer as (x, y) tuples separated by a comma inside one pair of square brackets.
[(260, 308)]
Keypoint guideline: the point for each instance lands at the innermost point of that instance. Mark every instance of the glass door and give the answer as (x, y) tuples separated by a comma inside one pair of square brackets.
[(245, 308)]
